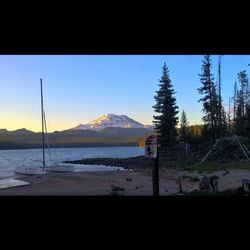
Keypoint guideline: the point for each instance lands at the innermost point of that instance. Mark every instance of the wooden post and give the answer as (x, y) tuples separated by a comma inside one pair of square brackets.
[(155, 175), (179, 179)]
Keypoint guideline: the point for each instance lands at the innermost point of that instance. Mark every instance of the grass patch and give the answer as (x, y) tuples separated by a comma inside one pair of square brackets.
[(191, 178), (210, 167), (227, 192)]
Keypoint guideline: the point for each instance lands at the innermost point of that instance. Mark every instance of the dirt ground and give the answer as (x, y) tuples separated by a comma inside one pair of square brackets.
[(126, 183)]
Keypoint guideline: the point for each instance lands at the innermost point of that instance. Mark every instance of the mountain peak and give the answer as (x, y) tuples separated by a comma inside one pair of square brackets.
[(110, 120), (108, 115), (22, 131)]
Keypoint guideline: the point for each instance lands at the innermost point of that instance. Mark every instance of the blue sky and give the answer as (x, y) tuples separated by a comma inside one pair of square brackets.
[(80, 88)]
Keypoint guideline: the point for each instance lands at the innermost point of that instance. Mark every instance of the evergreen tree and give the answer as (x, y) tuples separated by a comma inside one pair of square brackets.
[(183, 126), (248, 108), (224, 122), (210, 98), (217, 112), (221, 111), (235, 101), (166, 121), (241, 104), (239, 120), (228, 117), (247, 125), (219, 97)]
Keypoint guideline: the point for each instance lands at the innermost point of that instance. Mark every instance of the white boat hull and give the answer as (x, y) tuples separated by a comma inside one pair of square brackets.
[(30, 170), (61, 169)]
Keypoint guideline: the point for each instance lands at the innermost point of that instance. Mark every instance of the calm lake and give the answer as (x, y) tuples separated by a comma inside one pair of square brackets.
[(10, 159)]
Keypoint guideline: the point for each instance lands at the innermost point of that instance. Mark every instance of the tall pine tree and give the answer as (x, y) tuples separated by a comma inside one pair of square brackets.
[(242, 104), (210, 98), (235, 101), (220, 111), (166, 121), (183, 126)]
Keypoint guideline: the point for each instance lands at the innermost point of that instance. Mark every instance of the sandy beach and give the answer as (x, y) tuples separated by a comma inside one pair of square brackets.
[(128, 183)]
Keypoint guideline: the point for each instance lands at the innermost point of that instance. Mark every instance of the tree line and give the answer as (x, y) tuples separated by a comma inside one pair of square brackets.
[(217, 122)]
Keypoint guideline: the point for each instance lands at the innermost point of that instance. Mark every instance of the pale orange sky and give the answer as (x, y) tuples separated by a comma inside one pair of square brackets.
[(81, 88)]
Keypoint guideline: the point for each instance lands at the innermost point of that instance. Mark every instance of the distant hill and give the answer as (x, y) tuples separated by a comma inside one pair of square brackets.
[(23, 138), (21, 131), (2, 131)]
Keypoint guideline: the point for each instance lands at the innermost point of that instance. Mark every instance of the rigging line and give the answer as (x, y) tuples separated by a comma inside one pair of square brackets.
[(52, 147), (47, 138), (42, 114)]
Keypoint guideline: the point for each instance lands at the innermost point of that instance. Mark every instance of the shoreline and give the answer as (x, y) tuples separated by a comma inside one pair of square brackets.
[(124, 183), (139, 163)]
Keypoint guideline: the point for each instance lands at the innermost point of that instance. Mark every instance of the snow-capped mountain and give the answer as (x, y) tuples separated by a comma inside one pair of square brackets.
[(111, 120)]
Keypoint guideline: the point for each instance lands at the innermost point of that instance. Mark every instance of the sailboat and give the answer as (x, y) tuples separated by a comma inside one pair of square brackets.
[(37, 170), (55, 167)]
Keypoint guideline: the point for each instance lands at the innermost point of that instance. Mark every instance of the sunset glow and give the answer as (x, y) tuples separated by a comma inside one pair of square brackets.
[(81, 88)]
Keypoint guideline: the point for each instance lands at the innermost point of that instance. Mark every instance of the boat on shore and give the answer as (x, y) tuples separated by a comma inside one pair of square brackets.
[(37, 170)]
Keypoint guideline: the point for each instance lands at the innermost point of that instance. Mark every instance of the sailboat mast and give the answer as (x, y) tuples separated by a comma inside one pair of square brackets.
[(42, 120)]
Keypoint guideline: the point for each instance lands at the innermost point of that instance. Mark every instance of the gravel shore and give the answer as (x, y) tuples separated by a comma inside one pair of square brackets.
[(128, 183)]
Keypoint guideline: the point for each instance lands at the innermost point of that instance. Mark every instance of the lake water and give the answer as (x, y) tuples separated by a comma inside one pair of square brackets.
[(10, 159)]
